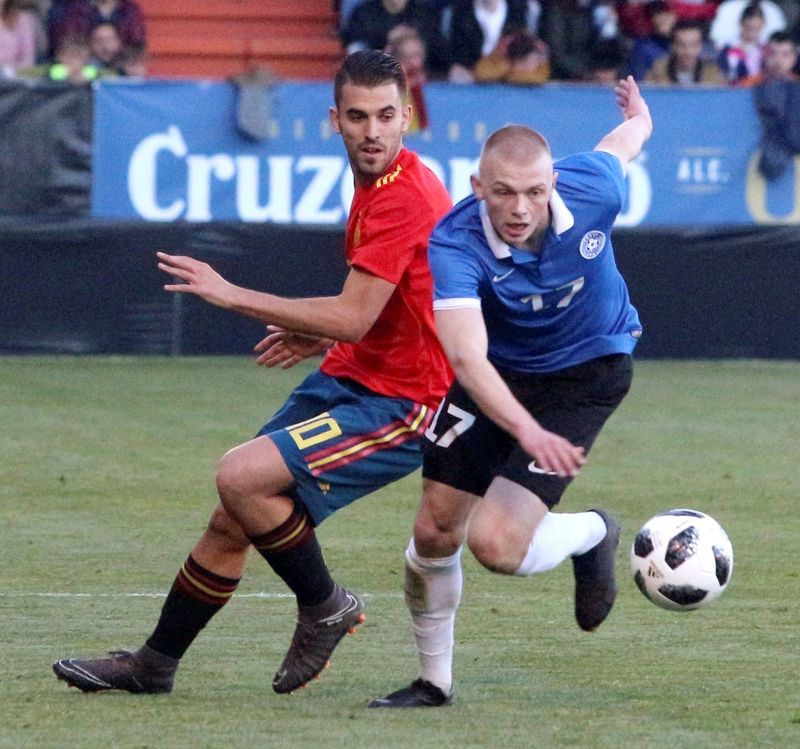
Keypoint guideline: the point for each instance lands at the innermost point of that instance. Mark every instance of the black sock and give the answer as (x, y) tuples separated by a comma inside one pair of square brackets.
[(196, 595), (293, 552)]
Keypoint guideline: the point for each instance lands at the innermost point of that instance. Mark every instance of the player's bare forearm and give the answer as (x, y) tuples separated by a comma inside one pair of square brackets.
[(463, 336), (626, 140), (345, 317)]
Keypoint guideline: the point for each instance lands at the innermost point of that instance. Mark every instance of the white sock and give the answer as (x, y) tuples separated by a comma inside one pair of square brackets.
[(561, 535), (433, 592)]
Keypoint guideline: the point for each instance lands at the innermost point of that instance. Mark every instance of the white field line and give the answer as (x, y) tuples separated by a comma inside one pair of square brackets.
[(266, 596)]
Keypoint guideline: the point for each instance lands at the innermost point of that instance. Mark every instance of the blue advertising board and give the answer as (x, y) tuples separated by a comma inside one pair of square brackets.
[(171, 151)]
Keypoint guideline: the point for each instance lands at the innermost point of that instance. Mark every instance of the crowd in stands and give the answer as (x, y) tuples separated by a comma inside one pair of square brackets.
[(678, 42), (71, 40), (673, 42)]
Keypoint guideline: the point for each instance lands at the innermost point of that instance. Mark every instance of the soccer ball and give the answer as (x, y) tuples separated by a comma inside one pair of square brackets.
[(681, 559)]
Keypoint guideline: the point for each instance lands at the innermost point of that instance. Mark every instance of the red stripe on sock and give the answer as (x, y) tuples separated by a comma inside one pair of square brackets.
[(296, 531)]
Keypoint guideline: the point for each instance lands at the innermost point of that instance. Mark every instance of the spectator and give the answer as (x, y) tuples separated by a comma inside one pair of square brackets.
[(345, 9), (132, 62), (746, 56), (701, 11), (607, 63), (568, 28), (606, 19), (777, 100), (19, 33), (408, 48), (725, 26), (474, 28), (685, 65), (780, 61), (77, 18), (105, 46), (372, 20), (71, 64), (520, 58), (635, 19), (646, 50)]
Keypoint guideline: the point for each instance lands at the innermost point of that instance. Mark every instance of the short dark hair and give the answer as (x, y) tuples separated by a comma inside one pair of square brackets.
[(752, 10), (655, 7), (687, 23), (370, 68), (781, 37)]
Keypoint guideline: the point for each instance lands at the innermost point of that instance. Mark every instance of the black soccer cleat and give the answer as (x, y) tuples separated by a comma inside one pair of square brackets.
[(595, 578), (315, 640), (419, 693), (144, 671)]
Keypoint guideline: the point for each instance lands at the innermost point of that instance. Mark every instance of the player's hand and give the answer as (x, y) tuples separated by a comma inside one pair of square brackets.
[(551, 452), (285, 349), (630, 99), (199, 278)]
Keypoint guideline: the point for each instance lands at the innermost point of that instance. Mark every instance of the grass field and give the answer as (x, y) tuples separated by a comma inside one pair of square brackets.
[(107, 480)]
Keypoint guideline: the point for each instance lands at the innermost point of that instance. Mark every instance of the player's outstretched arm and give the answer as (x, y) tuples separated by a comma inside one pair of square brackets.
[(463, 335), (345, 317), (626, 140)]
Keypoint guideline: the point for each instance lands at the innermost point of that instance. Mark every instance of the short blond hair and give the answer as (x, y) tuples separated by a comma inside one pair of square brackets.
[(515, 143)]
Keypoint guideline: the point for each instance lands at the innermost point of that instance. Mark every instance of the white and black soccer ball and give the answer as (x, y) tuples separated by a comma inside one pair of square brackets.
[(681, 559)]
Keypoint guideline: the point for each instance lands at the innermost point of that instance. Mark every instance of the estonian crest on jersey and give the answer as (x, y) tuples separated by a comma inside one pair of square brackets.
[(592, 244)]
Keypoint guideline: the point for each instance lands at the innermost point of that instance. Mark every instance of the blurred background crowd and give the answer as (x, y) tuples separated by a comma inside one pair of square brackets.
[(680, 42)]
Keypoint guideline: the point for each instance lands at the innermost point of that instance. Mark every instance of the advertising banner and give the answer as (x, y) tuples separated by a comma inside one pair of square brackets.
[(171, 151)]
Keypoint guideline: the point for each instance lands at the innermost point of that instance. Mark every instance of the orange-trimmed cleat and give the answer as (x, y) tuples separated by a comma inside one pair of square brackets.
[(315, 640)]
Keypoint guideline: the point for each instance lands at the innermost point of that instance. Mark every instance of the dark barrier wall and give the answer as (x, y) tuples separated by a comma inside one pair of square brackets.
[(94, 288), (45, 148)]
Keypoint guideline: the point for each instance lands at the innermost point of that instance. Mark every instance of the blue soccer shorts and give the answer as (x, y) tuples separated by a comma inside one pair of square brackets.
[(341, 441)]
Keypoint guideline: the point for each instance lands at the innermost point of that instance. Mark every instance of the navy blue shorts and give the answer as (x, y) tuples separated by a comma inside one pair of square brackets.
[(341, 441)]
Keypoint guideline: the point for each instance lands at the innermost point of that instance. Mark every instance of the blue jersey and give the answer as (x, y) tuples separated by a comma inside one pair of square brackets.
[(556, 308)]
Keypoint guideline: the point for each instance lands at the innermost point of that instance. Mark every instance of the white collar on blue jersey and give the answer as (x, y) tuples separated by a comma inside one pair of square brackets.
[(562, 221)]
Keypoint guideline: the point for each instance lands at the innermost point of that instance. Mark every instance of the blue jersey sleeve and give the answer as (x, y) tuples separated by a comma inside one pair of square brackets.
[(595, 176), (456, 272)]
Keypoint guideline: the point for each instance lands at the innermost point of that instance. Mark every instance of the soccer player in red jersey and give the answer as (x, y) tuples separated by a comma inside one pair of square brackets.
[(351, 427)]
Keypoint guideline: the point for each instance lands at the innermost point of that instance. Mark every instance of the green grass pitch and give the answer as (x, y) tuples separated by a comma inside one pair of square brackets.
[(107, 480)]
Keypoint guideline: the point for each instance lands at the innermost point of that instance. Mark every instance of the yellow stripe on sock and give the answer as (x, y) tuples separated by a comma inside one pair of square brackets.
[(204, 588), (286, 539)]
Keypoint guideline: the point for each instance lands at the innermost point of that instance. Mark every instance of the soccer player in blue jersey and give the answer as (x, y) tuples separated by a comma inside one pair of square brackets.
[(536, 321)]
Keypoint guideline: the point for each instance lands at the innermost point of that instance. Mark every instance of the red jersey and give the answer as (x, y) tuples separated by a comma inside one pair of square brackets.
[(387, 236)]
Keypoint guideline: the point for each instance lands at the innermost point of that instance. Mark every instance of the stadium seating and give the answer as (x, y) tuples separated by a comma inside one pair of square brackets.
[(296, 39)]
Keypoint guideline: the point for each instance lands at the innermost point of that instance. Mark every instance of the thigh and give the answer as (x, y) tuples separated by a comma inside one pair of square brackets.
[(463, 449), (353, 443), (574, 403)]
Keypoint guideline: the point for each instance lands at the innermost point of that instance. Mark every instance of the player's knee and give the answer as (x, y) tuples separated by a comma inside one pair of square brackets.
[(231, 481), (436, 539), (493, 548)]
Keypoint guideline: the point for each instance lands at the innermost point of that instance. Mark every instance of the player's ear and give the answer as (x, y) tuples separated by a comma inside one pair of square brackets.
[(333, 114), (406, 113), (477, 187)]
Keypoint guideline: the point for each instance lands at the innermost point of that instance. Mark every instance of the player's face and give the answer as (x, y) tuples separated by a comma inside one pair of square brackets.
[(781, 58), (371, 122), (687, 46), (517, 197)]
